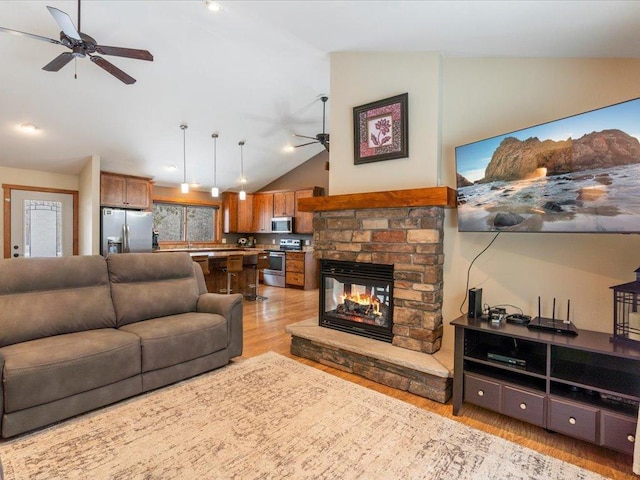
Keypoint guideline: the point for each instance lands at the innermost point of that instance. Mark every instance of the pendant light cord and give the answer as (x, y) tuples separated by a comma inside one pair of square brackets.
[(241, 164), (215, 159), (184, 153)]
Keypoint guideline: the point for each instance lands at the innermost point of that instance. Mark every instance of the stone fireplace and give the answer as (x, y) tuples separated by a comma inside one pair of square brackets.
[(404, 230), (410, 239)]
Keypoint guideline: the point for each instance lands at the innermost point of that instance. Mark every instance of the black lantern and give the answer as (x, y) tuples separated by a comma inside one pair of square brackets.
[(626, 317)]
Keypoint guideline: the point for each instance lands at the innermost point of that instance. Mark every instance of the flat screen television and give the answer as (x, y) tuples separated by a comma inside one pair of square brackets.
[(575, 174)]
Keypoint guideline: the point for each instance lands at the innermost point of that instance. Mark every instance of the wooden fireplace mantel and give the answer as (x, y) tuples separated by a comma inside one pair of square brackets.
[(414, 197)]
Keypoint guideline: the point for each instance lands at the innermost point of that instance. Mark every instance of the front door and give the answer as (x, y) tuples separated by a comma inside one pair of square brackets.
[(42, 222)]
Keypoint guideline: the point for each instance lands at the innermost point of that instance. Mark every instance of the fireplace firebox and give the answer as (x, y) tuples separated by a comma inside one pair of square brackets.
[(357, 298)]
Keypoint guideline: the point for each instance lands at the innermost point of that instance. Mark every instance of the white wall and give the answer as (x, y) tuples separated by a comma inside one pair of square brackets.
[(360, 78), (471, 99)]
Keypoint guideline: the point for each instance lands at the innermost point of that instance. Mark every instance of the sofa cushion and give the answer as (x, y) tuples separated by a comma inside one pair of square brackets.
[(41, 297), (175, 339), (48, 369), (151, 285)]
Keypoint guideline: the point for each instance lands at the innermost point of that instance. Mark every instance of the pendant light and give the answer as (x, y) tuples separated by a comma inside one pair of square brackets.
[(185, 186), (243, 194), (215, 192)]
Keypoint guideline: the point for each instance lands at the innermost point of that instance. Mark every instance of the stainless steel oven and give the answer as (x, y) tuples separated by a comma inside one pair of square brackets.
[(275, 274)]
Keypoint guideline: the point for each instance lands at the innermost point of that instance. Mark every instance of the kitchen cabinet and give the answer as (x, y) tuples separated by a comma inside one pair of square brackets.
[(254, 214), (583, 386), (125, 191), (245, 214), (284, 204), (237, 214), (262, 212), (301, 270), (304, 220), (229, 212)]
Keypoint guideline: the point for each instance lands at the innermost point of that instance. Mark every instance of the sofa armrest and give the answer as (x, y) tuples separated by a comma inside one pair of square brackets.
[(230, 307)]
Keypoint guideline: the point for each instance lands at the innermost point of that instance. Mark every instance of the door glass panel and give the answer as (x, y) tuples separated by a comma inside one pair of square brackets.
[(42, 228), (42, 224)]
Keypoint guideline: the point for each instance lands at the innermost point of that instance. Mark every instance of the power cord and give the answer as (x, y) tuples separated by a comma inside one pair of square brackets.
[(466, 290), (512, 306)]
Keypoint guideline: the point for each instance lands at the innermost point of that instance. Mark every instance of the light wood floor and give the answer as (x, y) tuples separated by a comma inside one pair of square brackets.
[(264, 324)]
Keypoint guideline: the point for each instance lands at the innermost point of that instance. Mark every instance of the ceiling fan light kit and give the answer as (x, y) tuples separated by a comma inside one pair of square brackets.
[(213, 5), (82, 45)]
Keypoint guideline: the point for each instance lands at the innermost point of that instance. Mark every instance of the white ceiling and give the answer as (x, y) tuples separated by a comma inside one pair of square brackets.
[(251, 72)]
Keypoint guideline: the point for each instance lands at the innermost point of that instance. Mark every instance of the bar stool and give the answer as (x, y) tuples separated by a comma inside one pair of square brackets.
[(233, 267), (261, 264), (203, 261)]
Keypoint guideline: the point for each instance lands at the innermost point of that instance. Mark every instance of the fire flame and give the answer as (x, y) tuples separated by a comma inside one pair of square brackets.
[(363, 300)]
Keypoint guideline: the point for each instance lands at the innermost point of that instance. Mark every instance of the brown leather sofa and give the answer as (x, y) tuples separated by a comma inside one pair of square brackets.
[(78, 333)]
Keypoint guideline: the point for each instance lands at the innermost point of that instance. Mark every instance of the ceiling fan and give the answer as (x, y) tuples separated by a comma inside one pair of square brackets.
[(83, 45), (321, 138)]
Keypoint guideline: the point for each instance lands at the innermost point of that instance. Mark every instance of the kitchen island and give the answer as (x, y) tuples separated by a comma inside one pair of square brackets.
[(214, 261)]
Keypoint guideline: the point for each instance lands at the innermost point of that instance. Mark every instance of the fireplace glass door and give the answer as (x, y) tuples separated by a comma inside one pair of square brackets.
[(357, 298)]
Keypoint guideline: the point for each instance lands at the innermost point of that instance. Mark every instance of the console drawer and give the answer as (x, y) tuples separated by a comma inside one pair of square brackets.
[(482, 392), (617, 432), (524, 405), (579, 421)]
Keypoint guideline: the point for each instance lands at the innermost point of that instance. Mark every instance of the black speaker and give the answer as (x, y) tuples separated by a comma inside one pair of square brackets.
[(475, 302)]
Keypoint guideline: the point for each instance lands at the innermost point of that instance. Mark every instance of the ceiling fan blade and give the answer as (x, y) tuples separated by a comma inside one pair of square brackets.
[(125, 52), (304, 136), (58, 62), (65, 23), (305, 144), (112, 69), (30, 35)]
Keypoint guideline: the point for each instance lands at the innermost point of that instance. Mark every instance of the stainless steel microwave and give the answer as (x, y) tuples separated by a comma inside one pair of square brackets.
[(282, 225)]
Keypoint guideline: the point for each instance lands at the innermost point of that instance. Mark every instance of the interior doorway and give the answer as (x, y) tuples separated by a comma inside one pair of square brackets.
[(40, 222)]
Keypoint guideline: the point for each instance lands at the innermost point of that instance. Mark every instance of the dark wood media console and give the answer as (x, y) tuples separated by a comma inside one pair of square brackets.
[(583, 386)]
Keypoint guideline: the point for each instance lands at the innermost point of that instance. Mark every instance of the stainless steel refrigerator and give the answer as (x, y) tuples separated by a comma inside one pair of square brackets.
[(125, 231)]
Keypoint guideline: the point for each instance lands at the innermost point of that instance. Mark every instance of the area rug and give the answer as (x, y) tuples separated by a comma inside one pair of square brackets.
[(270, 417)]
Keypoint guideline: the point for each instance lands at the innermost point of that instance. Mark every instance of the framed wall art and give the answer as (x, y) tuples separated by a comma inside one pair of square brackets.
[(381, 130)]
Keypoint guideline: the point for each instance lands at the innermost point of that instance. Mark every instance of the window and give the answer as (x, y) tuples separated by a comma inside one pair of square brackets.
[(179, 223)]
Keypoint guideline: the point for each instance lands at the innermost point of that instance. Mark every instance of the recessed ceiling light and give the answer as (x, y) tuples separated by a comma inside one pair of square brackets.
[(288, 148), (28, 127), (171, 167), (213, 6)]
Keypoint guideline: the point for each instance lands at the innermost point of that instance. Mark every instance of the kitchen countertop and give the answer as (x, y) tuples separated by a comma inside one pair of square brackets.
[(215, 252)]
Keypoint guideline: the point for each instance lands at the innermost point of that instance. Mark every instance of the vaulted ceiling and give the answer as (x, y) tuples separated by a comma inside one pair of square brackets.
[(252, 71)]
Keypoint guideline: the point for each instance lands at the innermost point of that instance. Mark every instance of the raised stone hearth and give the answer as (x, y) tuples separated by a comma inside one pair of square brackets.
[(403, 228), (425, 375)]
